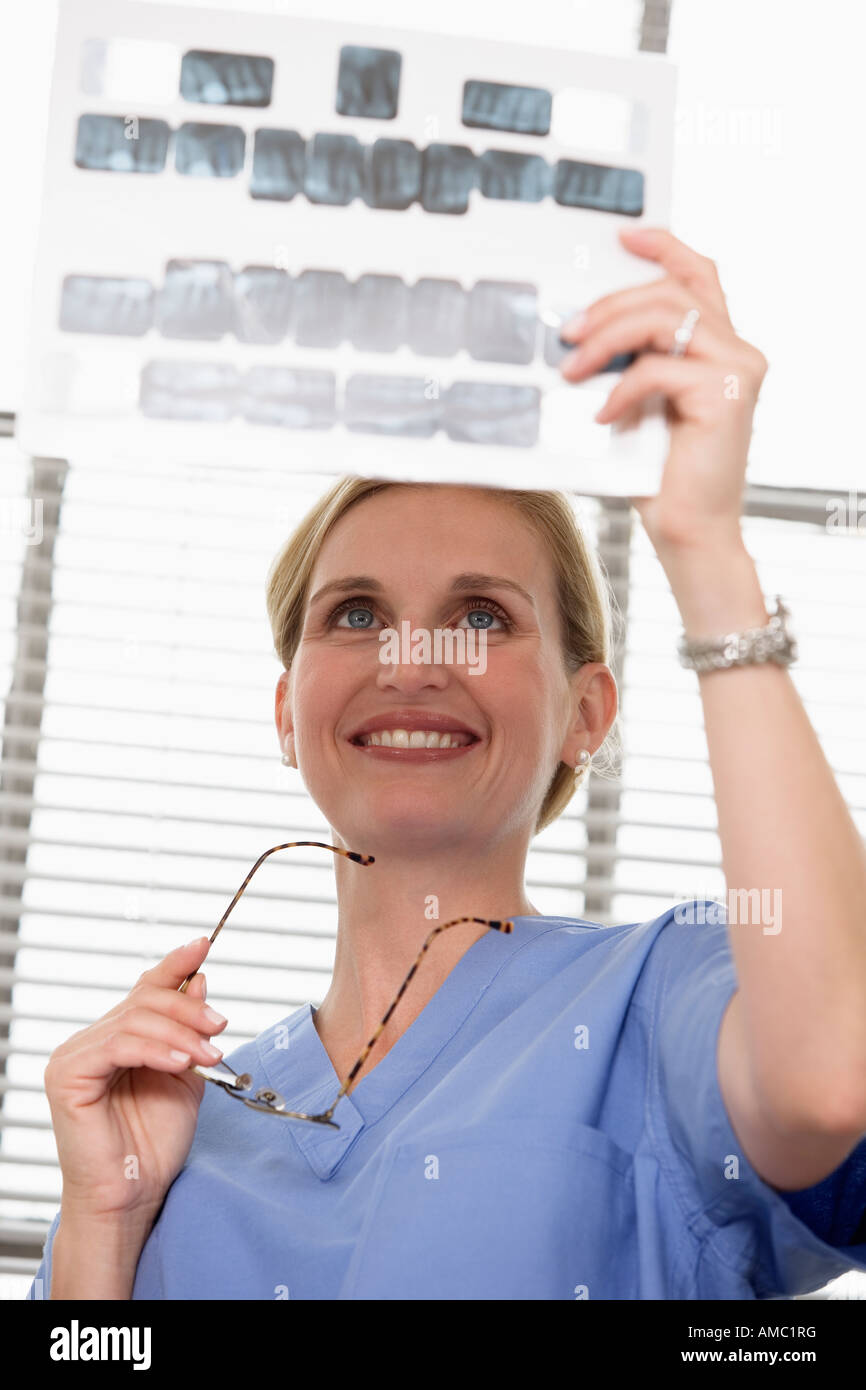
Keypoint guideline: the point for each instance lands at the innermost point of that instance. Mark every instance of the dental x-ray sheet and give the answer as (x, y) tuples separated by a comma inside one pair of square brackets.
[(275, 243)]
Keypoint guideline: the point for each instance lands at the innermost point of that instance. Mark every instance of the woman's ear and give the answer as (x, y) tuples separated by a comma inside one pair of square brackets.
[(283, 720), (594, 705)]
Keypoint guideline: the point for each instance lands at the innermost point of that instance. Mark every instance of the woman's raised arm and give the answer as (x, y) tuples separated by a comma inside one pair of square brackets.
[(792, 1047)]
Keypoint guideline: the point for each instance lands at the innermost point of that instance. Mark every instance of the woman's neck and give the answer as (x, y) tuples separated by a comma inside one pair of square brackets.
[(386, 912)]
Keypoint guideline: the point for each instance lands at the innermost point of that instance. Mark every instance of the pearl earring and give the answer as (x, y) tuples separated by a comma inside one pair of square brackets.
[(581, 767), (287, 762)]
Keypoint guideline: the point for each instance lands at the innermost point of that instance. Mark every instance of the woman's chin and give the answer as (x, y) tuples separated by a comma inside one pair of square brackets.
[(404, 824)]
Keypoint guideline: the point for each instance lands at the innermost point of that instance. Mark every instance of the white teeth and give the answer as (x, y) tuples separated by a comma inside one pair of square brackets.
[(416, 738)]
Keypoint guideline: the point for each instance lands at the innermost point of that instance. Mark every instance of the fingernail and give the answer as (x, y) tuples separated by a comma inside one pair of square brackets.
[(573, 326), (212, 1016), (179, 1056), (211, 1051), (199, 941)]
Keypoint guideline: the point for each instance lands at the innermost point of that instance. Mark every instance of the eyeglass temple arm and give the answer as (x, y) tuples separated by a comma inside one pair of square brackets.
[(504, 925), (291, 844), (356, 858)]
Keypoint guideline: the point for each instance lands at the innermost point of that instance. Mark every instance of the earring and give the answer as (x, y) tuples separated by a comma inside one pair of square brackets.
[(581, 767), (287, 762)]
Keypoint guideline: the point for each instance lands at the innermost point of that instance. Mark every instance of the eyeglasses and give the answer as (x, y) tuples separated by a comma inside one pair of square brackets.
[(269, 1100)]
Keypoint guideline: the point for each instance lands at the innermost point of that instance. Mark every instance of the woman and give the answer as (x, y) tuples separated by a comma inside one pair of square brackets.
[(657, 1110)]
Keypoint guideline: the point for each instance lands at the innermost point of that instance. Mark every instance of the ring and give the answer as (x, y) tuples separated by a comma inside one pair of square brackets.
[(684, 333)]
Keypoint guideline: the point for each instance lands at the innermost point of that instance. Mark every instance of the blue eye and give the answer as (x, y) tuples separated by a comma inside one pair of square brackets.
[(356, 617), (486, 608), (480, 613)]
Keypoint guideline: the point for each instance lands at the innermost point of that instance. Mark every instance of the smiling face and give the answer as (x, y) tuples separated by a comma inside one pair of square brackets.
[(416, 547)]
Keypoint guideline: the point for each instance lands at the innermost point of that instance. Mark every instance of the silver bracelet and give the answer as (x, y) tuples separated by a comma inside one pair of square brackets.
[(772, 642)]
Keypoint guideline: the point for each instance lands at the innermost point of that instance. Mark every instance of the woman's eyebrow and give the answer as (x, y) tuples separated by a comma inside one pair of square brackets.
[(474, 580), (463, 583), (353, 581)]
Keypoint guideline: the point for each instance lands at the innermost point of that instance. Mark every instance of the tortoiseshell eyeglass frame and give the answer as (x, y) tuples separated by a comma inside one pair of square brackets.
[(269, 1100)]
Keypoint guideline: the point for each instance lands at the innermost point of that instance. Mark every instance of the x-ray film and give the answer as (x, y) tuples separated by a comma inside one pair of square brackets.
[(272, 242)]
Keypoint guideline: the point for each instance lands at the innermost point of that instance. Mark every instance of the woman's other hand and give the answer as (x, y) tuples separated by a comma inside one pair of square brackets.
[(711, 391)]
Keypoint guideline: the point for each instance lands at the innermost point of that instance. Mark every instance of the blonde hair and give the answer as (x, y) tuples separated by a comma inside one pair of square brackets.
[(589, 616)]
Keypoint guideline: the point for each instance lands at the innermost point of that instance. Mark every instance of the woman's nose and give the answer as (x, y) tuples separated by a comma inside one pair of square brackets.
[(409, 659)]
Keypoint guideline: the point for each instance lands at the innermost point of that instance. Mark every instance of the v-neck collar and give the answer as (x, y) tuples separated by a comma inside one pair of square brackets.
[(294, 1049)]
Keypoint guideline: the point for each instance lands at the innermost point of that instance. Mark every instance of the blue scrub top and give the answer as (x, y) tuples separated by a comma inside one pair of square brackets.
[(550, 1126)]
